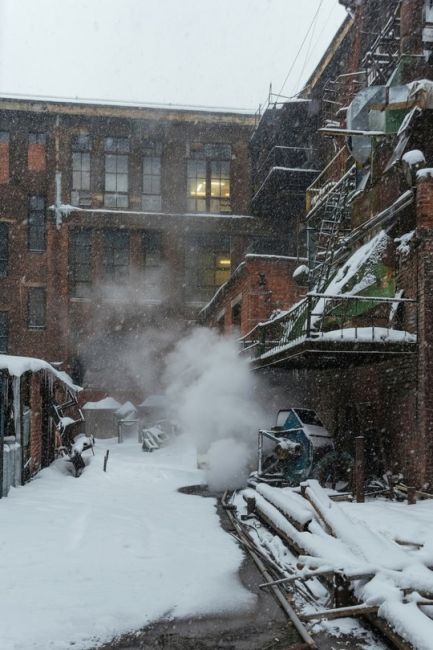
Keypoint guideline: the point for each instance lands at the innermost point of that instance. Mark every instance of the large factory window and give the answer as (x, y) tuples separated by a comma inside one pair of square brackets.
[(80, 196), (37, 308), (80, 264), (151, 199), (207, 263), (116, 172), (116, 255), (36, 154), (4, 249), (208, 176), (4, 331), (36, 223)]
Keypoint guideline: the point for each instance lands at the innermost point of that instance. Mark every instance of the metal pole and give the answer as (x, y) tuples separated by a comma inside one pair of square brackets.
[(259, 453), (359, 469)]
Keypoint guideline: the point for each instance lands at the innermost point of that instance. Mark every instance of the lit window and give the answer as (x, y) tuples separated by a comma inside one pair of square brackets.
[(4, 332), (36, 223), (4, 249), (208, 177), (151, 199), (37, 307), (80, 265), (116, 255), (80, 195), (116, 172)]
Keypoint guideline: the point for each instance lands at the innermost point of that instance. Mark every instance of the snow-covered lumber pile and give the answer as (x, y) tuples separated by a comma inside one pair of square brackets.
[(389, 577)]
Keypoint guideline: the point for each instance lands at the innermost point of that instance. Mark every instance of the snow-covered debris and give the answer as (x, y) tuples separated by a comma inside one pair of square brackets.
[(414, 157), (427, 172), (301, 270), (106, 404), (127, 409), (404, 242)]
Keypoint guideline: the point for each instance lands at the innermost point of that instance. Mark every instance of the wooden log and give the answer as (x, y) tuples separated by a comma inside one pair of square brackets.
[(342, 612), (300, 576)]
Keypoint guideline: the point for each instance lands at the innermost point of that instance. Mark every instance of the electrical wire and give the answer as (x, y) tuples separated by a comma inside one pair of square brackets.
[(301, 47), (309, 44)]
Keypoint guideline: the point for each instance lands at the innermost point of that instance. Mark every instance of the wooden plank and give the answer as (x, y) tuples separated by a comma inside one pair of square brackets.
[(342, 612)]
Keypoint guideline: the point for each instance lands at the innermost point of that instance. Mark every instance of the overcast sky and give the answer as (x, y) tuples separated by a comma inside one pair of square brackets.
[(190, 52)]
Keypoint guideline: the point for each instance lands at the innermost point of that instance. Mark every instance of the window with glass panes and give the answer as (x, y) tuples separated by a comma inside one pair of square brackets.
[(36, 223), (207, 263), (80, 195), (116, 255), (116, 172), (208, 178), (37, 308), (152, 249), (4, 331), (80, 263), (4, 249), (151, 198)]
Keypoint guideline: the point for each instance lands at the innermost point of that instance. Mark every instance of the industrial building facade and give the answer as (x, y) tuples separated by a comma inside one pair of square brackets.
[(114, 219)]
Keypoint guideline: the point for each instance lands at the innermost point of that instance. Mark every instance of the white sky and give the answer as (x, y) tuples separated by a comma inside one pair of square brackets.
[(197, 52)]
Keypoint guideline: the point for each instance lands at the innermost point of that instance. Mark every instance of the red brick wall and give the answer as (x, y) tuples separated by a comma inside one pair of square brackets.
[(264, 284), (4, 162), (36, 158)]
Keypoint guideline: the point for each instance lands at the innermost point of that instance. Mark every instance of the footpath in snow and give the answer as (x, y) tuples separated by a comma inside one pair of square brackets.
[(83, 560)]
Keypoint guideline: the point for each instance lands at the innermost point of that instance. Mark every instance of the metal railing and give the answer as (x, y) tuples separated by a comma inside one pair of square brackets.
[(319, 316), (328, 179)]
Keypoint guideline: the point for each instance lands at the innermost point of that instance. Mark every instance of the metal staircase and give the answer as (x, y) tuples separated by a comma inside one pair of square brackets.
[(328, 224)]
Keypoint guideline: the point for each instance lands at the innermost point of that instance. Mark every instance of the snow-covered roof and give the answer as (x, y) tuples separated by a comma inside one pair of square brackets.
[(17, 366), (154, 401), (106, 404)]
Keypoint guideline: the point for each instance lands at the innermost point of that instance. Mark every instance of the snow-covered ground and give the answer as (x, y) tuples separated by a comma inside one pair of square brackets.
[(85, 559)]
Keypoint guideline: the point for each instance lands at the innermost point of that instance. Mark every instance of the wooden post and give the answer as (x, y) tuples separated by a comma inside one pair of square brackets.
[(411, 496), (106, 459), (359, 469)]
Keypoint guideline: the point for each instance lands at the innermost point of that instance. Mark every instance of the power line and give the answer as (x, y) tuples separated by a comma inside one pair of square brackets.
[(300, 47), (309, 44)]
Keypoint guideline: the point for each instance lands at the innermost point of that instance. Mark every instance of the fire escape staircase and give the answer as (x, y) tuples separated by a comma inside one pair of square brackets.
[(332, 217)]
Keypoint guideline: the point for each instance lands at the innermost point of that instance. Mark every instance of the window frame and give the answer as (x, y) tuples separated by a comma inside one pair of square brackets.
[(209, 157), (80, 266), (151, 198), (110, 257), (4, 331), (116, 150), (33, 322), (36, 227), (4, 249)]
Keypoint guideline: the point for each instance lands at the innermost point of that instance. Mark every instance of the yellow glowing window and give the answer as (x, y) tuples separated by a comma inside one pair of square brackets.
[(209, 178)]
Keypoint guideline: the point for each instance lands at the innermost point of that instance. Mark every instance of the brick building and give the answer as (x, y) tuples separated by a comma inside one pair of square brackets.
[(115, 219), (357, 347)]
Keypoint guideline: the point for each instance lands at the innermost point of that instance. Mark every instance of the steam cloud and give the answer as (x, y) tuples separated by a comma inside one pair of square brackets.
[(212, 389)]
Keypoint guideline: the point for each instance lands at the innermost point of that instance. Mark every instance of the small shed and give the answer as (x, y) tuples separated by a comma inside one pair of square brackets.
[(154, 408), (100, 418)]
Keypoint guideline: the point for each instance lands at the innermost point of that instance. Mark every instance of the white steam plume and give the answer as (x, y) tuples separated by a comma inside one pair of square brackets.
[(212, 390)]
